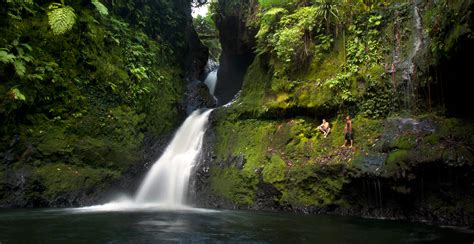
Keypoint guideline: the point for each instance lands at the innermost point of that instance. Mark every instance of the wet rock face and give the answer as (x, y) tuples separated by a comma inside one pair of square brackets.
[(415, 170), (23, 188), (238, 44), (196, 53), (200, 193), (454, 80), (198, 96)]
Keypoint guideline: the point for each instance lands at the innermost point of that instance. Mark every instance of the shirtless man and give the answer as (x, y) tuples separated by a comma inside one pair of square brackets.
[(348, 132), (324, 128)]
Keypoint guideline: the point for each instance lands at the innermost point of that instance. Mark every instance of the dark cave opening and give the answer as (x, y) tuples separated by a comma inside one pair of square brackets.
[(453, 88)]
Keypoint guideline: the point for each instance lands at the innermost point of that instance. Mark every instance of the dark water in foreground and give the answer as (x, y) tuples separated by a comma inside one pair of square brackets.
[(46, 226)]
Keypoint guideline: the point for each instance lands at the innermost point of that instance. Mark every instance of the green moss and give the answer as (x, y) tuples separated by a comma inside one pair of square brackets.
[(53, 141), (248, 138), (325, 66), (92, 93), (114, 143), (59, 178), (311, 186), (405, 142), (367, 132), (254, 87), (235, 185), (456, 129), (432, 139), (275, 170), (396, 162), (289, 153)]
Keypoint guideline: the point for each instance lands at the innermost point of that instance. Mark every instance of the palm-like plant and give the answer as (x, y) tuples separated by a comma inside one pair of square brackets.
[(329, 11)]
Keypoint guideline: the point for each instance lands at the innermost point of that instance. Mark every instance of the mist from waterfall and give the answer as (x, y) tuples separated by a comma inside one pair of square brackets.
[(211, 80), (167, 181), (166, 184)]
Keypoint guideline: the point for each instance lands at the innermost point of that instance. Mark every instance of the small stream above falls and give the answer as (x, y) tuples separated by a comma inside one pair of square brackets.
[(404, 67)]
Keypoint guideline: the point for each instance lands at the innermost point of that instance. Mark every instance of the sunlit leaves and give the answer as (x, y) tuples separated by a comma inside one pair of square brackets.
[(18, 55), (20, 1), (286, 41), (100, 7), (16, 95), (272, 3), (20, 68), (6, 57), (61, 18)]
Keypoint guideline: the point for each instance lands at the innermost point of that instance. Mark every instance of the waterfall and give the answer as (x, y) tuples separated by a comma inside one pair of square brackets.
[(409, 73), (211, 80), (167, 181)]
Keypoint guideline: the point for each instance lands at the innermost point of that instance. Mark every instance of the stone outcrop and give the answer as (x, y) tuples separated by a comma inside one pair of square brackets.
[(238, 42)]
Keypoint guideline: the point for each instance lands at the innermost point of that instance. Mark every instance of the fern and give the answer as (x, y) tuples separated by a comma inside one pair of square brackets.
[(6, 57), (16, 94), (100, 7), (20, 68), (20, 1), (61, 18)]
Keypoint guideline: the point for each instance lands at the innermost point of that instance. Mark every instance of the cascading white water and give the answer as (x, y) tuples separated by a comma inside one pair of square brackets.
[(210, 81), (409, 73), (166, 182)]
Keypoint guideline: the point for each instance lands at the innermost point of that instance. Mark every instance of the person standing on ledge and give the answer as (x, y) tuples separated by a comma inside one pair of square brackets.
[(348, 132)]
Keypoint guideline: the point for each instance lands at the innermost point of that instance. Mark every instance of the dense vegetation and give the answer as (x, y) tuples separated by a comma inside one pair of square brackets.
[(81, 84), (373, 60), (84, 83)]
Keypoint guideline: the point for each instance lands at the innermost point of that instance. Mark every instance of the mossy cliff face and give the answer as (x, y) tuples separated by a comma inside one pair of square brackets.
[(264, 151), (76, 108)]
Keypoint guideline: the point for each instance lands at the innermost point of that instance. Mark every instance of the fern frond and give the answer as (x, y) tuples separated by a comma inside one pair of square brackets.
[(61, 19), (16, 94), (100, 7), (6, 57), (26, 46), (20, 68), (20, 1)]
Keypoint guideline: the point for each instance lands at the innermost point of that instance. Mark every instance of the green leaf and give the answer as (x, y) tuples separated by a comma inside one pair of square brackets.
[(15, 94), (100, 7), (6, 57), (20, 1), (26, 46), (19, 68), (61, 19)]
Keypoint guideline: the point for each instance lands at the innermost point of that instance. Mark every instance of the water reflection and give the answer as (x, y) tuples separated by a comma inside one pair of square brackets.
[(211, 226)]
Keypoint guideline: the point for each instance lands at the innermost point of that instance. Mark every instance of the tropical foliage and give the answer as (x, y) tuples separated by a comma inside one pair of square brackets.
[(61, 18), (81, 84)]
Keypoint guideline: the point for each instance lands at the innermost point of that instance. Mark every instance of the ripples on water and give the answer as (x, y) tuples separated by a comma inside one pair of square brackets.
[(113, 225)]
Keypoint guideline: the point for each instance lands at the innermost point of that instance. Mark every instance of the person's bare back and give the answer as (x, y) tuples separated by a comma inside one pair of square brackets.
[(348, 132)]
